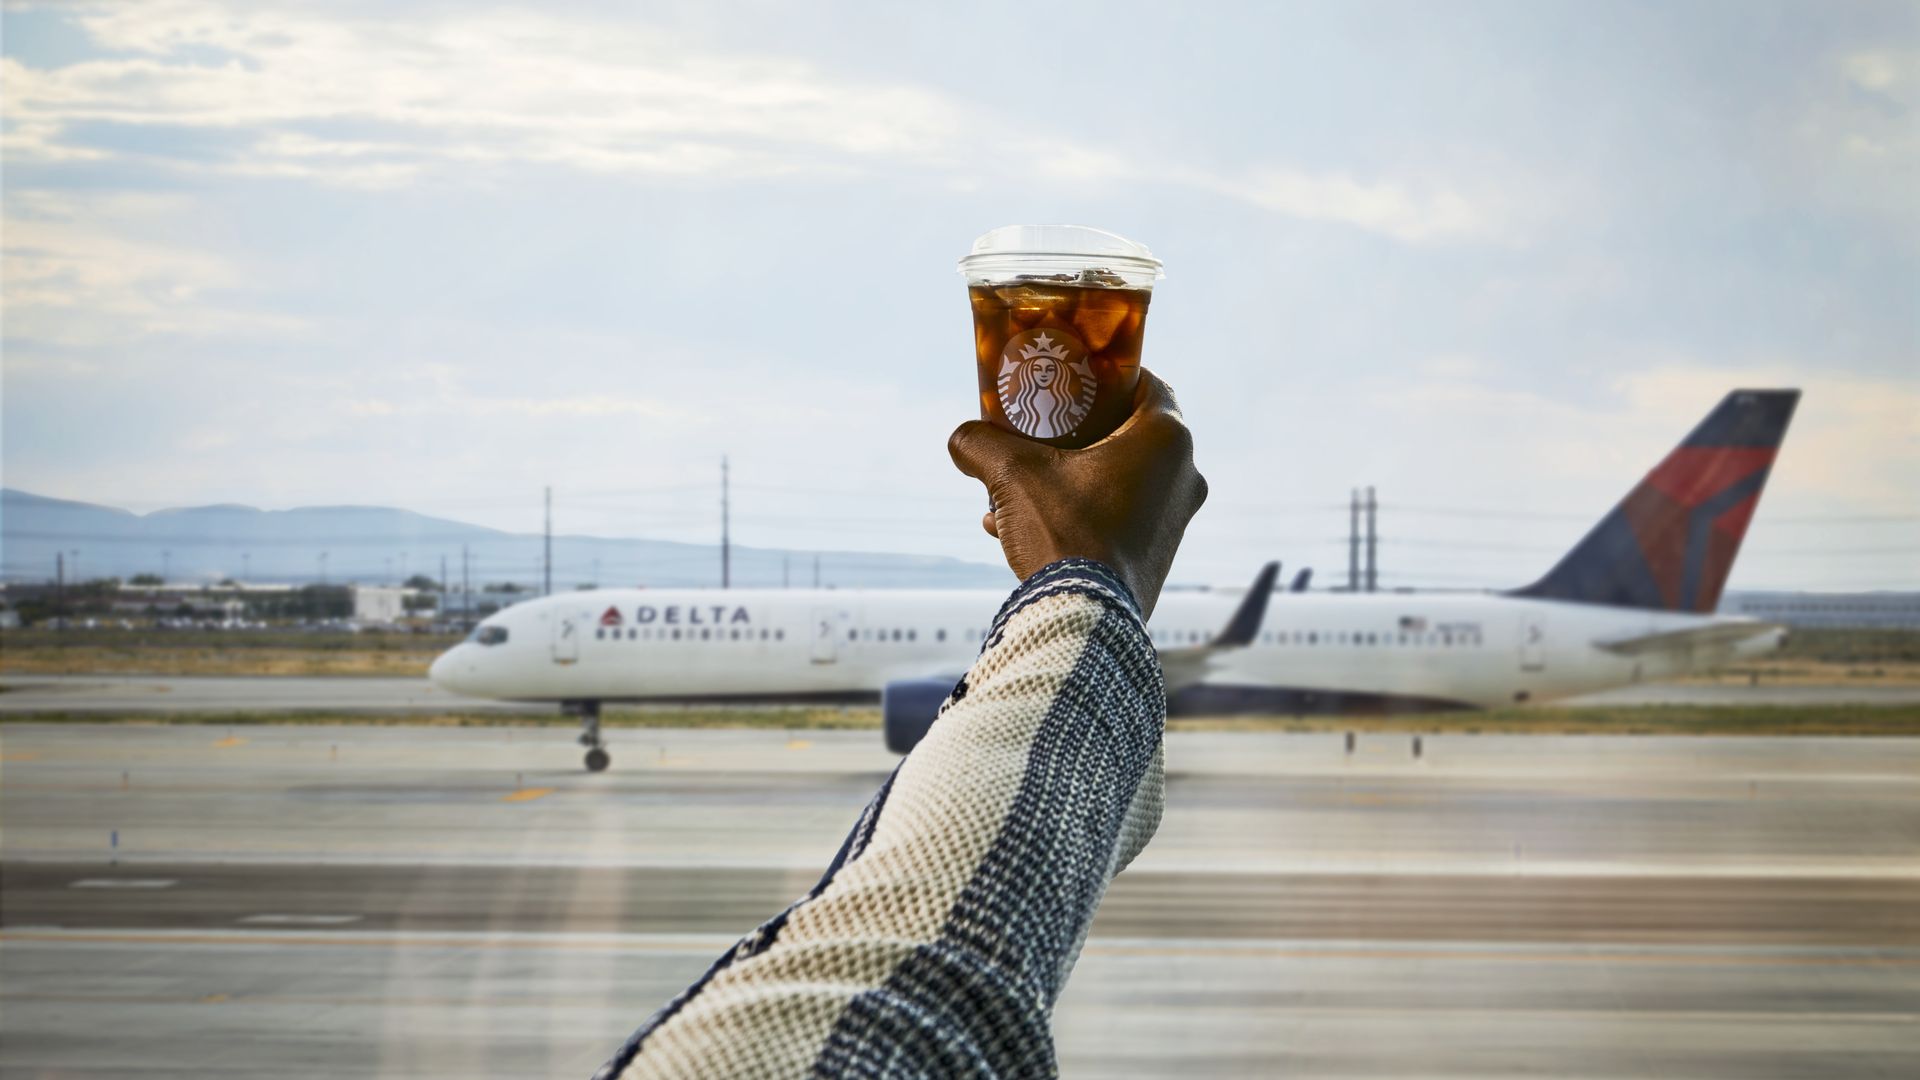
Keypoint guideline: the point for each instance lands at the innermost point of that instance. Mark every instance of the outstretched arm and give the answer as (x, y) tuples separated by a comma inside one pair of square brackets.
[(939, 938)]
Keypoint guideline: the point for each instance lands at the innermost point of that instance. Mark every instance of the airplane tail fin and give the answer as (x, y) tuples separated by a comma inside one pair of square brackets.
[(1669, 544)]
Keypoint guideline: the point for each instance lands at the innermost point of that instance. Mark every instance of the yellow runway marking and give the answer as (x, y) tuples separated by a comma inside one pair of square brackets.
[(231, 740), (798, 744), (213, 999), (527, 794), (23, 755)]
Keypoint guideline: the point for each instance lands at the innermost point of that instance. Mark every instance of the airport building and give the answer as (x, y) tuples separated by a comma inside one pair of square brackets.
[(231, 605), (1809, 610)]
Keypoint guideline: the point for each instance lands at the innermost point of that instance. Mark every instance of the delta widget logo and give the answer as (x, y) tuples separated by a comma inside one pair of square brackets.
[(1046, 385)]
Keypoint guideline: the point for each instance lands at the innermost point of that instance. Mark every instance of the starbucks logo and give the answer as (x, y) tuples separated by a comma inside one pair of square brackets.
[(1046, 387)]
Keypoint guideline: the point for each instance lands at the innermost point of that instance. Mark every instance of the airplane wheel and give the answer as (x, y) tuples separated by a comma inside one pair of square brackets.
[(598, 760)]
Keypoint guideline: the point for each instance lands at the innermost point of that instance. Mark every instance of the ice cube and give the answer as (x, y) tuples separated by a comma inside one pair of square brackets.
[(1101, 277), (1099, 315), (1029, 305)]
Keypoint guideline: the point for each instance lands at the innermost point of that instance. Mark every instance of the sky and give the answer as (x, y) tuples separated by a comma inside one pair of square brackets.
[(1493, 259)]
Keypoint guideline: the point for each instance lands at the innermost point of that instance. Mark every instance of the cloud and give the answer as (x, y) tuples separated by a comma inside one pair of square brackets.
[(1892, 73), (1385, 207), (381, 103), (74, 274)]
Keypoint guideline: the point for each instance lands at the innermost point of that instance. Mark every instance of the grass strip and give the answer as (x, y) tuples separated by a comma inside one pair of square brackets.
[(1860, 720)]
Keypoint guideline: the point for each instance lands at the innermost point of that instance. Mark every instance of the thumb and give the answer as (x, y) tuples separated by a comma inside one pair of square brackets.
[(985, 452)]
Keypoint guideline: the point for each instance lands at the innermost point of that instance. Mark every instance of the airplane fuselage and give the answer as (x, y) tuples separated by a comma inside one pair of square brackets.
[(1313, 652)]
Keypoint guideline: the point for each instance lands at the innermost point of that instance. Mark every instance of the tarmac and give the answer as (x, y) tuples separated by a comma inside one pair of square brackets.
[(322, 901), (338, 694)]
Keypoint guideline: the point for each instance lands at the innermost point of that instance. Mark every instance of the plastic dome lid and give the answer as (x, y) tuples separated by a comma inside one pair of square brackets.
[(1016, 251)]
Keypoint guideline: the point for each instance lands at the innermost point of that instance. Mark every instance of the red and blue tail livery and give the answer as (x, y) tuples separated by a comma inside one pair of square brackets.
[(1670, 543)]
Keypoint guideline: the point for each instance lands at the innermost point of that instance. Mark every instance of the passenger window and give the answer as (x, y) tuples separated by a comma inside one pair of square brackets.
[(910, 635), (1313, 639), (896, 635), (676, 633), (780, 635), (939, 635), (704, 635)]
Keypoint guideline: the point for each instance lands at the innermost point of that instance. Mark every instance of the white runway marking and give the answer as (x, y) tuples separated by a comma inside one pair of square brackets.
[(125, 883), (275, 919)]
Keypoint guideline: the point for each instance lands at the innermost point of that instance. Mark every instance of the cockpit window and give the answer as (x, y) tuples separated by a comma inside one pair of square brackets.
[(489, 635)]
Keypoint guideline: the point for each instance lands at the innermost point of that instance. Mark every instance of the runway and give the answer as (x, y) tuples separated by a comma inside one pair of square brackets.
[(214, 694), (233, 693), (361, 902)]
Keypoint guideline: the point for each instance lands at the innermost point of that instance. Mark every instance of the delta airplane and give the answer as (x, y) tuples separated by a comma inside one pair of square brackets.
[(1633, 600)]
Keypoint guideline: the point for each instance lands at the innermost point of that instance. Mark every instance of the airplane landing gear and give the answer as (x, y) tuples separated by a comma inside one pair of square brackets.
[(589, 713)]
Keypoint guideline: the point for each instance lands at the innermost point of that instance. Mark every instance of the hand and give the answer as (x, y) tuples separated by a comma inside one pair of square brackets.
[(1124, 501)]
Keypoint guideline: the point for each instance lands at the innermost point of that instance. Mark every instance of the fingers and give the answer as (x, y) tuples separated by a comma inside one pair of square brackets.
[(982, 450), (1154, 410), (1154, 395)]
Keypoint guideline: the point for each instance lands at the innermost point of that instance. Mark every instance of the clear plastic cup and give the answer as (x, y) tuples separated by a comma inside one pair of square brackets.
[(1059, 313)]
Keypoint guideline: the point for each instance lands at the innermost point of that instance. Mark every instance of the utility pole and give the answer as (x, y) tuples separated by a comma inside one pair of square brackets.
[(1372, 541), (442, 605), (1353, 540), (726, 539), (546, 564), (60, 584), (466, 586)]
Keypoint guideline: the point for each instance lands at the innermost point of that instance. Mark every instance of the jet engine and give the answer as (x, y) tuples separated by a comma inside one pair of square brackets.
[(908, 706)]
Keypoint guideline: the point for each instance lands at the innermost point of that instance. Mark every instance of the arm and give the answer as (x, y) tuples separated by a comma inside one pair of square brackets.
[(943, 932), (940, 936)]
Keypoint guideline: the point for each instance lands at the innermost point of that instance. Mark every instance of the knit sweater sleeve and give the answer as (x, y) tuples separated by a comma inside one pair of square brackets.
[(942, 933)]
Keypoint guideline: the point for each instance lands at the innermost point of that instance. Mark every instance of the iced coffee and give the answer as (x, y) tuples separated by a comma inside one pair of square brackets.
[(1059, 312)]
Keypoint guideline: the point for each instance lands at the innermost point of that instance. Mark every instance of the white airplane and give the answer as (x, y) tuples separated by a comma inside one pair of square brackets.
[(1633, 600)]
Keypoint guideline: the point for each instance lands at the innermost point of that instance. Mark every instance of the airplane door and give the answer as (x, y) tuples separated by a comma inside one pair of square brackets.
[(1533, 642), (826, 635), (566, 639)]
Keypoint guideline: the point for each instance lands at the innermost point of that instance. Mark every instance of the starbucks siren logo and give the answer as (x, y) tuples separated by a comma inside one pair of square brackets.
[(1046, 387)]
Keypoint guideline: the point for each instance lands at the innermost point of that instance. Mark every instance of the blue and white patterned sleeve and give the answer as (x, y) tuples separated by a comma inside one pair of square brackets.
[(942, 933)]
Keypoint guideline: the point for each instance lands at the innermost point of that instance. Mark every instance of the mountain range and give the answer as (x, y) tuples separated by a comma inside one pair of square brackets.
[(375, 544)]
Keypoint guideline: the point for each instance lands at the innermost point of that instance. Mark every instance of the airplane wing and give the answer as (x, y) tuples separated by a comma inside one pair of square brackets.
[(1186, 666), (1715, 635)]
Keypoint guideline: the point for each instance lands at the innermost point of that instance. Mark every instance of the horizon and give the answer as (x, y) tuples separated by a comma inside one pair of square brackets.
[(1323, 582)]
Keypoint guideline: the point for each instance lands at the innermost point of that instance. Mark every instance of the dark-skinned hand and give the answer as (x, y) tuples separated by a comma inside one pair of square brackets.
[(1124, 501)]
